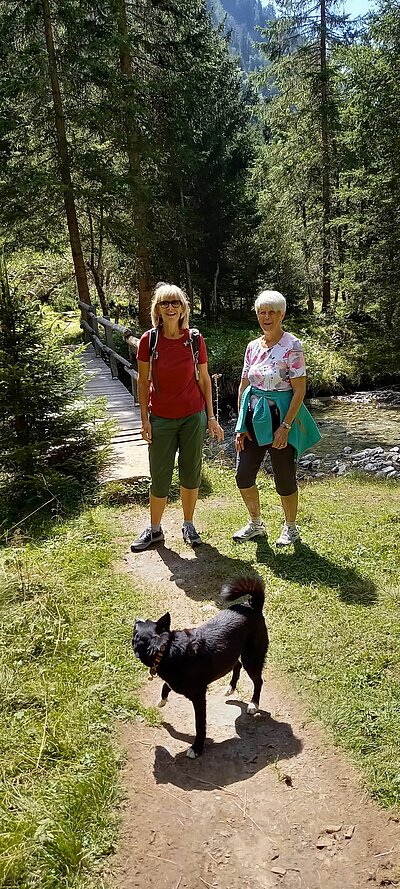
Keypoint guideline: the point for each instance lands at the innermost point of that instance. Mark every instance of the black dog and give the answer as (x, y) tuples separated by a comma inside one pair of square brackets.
[(188, 660)]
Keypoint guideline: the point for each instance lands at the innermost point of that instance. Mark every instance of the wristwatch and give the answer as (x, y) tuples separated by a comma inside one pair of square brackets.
[(286, 425)]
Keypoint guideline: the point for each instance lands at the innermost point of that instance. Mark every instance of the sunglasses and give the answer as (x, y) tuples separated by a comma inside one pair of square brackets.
[(175, 303)]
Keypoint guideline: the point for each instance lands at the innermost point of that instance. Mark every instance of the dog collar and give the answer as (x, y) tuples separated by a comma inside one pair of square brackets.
[(156, 662)]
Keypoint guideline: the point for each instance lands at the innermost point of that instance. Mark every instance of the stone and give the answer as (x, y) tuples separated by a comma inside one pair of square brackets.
[(306, 459), (369, 452), (347, 449)]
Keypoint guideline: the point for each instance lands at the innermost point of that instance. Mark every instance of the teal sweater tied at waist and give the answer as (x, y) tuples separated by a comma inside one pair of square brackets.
[(304, 432)]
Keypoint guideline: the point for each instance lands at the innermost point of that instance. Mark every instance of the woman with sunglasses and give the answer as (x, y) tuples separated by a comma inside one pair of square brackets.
[(175, 397)]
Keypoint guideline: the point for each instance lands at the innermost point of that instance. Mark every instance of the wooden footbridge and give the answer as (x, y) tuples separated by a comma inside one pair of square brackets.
[(100, 360)]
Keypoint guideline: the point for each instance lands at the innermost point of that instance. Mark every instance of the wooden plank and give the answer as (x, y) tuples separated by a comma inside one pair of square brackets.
[(130, 458)]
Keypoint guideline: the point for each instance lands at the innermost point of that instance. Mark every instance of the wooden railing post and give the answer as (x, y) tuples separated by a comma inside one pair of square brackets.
[(133, 344), (113, 361), (132, 358), (85, 317), (95, 325)]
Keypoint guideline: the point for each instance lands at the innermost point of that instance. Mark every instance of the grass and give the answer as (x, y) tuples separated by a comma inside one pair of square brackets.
[(333, 610), (67, 675)]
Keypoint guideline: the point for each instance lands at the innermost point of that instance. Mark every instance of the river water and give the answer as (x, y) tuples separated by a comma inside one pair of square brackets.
[(358, 421), (362, 420)]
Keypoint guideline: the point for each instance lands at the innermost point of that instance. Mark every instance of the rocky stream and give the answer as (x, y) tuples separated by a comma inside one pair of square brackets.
[(360, 432)]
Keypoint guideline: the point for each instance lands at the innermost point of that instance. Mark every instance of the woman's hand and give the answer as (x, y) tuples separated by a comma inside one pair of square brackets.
[(215, 430), (280, 438), (240, 440), (146, 431)]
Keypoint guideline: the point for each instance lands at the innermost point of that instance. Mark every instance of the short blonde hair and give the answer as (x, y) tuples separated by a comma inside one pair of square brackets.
[(271, 298), (169, 291)]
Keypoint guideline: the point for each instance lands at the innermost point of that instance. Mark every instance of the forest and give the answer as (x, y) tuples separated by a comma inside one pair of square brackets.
[(131, 140), (226, 146)]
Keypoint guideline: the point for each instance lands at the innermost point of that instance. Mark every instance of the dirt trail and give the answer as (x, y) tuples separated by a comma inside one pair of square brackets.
[(269, 804)]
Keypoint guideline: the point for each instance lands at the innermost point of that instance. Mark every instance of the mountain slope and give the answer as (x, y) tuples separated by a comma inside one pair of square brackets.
[(241, 18)]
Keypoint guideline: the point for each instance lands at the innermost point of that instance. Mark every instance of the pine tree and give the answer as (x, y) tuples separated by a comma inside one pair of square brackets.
[(47, 432), (157, 144), (301, 119), (368, 97)]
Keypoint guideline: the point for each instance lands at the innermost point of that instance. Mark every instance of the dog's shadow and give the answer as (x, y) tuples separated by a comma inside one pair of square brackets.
[(201, 577), (260, 741)]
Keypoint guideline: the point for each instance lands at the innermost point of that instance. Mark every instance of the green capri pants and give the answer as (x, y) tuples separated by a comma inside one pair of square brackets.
[(185, 435)]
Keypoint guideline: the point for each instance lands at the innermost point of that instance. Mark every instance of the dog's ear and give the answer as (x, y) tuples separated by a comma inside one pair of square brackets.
[(164, 623)]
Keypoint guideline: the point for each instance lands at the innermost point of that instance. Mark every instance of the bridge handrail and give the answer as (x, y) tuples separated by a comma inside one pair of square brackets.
[(90, 325)]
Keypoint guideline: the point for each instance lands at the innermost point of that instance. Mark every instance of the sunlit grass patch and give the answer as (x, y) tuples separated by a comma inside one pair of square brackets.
[(66, 674)]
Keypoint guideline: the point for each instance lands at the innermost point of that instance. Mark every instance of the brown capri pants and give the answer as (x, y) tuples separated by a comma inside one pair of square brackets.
[(283, 459)]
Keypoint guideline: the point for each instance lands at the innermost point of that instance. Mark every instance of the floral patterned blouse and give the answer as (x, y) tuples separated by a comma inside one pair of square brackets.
[(274, 368)]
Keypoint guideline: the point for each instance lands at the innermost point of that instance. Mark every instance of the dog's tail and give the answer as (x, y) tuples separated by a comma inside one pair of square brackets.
[(251, 585)]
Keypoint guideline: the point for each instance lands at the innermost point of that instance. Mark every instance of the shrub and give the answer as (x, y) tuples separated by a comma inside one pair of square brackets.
[(48, 432)]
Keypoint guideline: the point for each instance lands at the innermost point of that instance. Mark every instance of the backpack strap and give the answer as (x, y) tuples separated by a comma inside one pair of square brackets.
[(153, 340), (194, 339)]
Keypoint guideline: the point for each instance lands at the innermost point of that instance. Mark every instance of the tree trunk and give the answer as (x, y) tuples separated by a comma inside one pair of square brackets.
[(214, 299), (326, 195), (307, 255), (186, 254), (336, 213), (62, 146), (134, 160), (97, 268)]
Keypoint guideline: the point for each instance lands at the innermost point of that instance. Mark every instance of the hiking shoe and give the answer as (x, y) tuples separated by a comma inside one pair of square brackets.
[(288, 536), (190, 535), (146, 539), (252, 529)]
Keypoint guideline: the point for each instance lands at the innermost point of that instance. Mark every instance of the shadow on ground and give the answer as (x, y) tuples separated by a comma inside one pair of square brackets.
[(261, 741), (203, 577), (302, 564)]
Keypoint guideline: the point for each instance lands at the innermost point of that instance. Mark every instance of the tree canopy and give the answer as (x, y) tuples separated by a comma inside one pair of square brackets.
[(130, 131)]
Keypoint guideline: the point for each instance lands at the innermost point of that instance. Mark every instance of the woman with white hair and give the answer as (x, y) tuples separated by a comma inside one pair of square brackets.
[(272, 417), (175, 397)]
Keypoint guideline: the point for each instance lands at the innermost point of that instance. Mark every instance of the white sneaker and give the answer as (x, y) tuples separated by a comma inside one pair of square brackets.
[(288, 536), (252, 529)]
